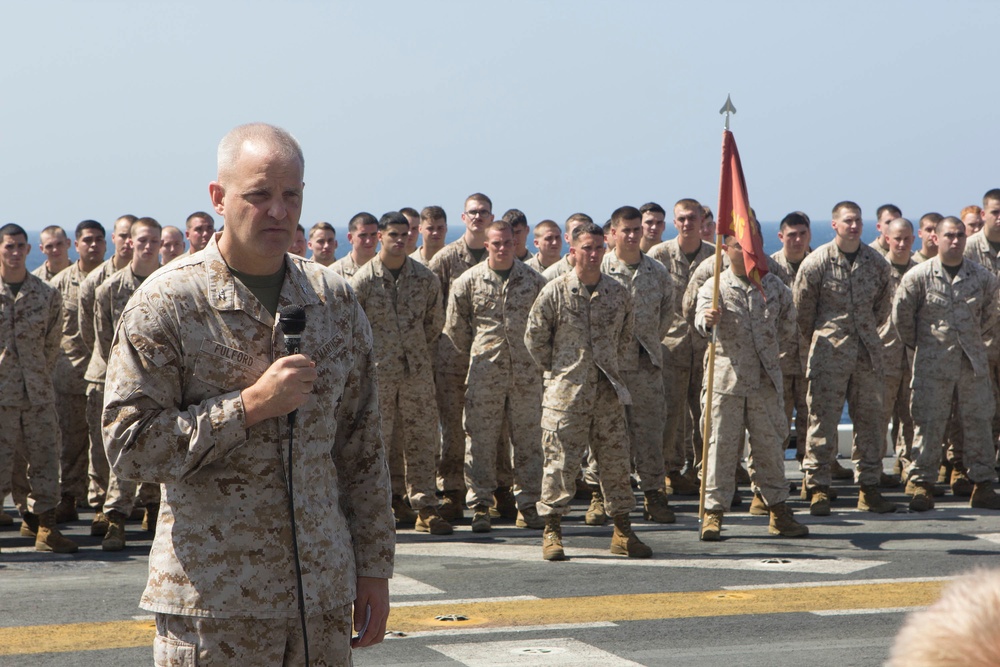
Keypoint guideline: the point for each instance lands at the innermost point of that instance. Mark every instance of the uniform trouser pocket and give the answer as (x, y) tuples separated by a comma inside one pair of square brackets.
[(169, 652)]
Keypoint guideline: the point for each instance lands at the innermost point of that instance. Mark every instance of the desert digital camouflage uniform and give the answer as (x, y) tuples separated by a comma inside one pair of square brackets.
[(579, 339), (71, 388), (30, 328), (346, 266), (747, 385), (486, 321), (877, 245), (682, 364), (110, 300), (947, 322), (652, 292), (793, 363), (82, 349), (919, 257), (418, 256), (535, 262), (174, 415), (897, 378), (558, 269), (44, 273), (977, 248), (406, 319), (840, 308), (448, 264)]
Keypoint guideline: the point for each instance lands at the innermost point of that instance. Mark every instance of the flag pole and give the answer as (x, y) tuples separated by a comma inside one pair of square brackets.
[(726, 110)]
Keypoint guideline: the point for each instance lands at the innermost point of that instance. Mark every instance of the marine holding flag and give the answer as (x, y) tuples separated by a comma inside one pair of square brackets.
[(752, 314)]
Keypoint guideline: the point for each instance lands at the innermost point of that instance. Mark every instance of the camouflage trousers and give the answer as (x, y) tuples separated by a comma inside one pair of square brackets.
[(411, 428), (930, 405), (645, 420), (565, 437), (795, 399), (502, 420), (896, 413), (29, 442), (74, 456), (863, 389), (124, 495), (762, 416), (677, 425), (98, 468), (253, 642)]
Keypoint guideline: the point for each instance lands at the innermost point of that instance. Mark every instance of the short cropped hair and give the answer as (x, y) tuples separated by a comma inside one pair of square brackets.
[(888, 208), (579, 217), (970, 209), (500, 225), (952, 219), (547, 224), (991, 195), (516, 218), (409, 210), (13, 229), (689, 204), (480, 197), (933, 217), (89, 224), (322, 226), (392, 218), (707, 211), (433, 213), (53, 230), (362, 219), (587, 228), (846, 204), (145, 222), (276, 138), (794, 219), (623, 213), (199, 215), (899, 221), (652, 207)]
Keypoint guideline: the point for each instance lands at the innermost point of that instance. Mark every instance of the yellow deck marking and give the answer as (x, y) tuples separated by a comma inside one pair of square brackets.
[(640, 607)]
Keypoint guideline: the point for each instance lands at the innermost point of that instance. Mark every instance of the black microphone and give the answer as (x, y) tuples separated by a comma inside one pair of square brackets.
[(292, 322)]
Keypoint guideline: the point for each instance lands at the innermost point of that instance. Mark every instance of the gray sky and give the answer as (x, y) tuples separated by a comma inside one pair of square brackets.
[(115, 107)]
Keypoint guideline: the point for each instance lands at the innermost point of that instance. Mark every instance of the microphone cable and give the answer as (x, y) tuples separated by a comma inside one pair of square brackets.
[(295, 541)]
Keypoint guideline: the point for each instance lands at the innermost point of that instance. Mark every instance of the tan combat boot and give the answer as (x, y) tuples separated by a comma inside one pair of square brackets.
[(805, 493), (819, 505), (29, 525), (452, 508), (429, 520), (961, 485), (625, 543), (656, 507), (923, 496), (66, 510), (403, 513), (481, 519), (99, 526), (681, 485), (911, 488), (506, 506), (758, 507), (784, 524), (596, 515), (114, 539), (528, 518), (838, 471), (48, 537), (984, 497), (870, 500), (711, 526), (552, 546)]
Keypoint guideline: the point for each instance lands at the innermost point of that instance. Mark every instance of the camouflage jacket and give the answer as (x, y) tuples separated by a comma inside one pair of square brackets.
[(83, 342), (486, 321), (679, 348), (895, 352), (652, 291), (574, 336), (448, 264), (109, 303), (945, 320), (535, 262), (558, 269), (405, 316), (878, 247), (72, 362), (44, 273), (753, 328), (191, 338), (346, 266), (30, 329), (841, 306)]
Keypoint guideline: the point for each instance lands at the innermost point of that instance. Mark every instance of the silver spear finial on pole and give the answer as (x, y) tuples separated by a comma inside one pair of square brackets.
[(727, 109)]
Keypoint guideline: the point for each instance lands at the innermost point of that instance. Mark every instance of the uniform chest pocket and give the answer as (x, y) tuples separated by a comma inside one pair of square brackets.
[(937, 299), (226, 368)]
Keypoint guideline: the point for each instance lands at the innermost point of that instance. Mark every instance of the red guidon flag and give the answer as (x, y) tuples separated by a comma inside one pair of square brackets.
[(734, 212)]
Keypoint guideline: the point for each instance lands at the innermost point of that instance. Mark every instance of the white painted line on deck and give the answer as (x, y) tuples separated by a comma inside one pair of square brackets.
[(507, 552), (420, 603), (456, 632), (402, 585), (858, 612), (560, 651)]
